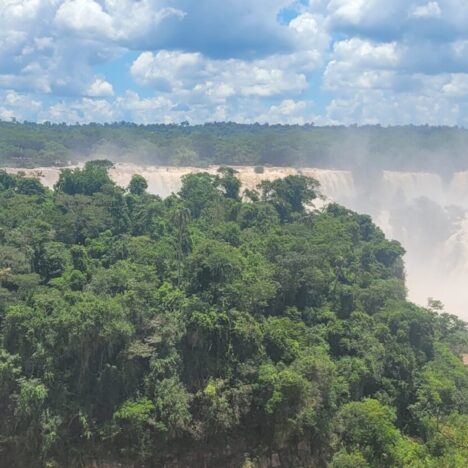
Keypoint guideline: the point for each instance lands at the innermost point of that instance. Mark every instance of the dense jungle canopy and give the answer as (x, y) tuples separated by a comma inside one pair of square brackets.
[(367, 148), (211, 329)]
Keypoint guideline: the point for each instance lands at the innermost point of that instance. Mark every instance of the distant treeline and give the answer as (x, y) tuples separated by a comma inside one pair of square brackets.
[(423, 148)]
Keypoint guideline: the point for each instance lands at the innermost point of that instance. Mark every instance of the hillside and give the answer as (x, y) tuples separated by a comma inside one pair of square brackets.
[(365, 150), (206, 330)]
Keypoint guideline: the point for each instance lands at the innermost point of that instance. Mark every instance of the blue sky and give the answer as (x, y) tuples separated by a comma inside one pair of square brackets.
[(278, 61)]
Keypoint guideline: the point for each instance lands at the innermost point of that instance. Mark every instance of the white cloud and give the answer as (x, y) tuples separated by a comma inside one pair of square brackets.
[(100, 88), (212, 60), (18, 106), (436, 100), (380, 107), (213, 84), (122, 21), (431, 9), (361, 64), (168, 69), (348, 11), (456, 86), (53, 45), (86, 17), (288, 111), (84, 110), (366, 53), (183, 72), (412, 70)]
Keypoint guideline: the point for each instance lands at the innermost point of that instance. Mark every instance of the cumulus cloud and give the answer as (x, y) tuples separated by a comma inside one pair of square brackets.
[(85, 17), (267, 60), (36, 56), (288, 111), (399, 62), (219, 88), (380, 107), (125, 22), (217, 79), (100, 88), (456, 85), (241, 28), (18, 106)]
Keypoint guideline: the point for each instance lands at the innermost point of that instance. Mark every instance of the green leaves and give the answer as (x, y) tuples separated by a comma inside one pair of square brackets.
[(367, 427), (289, 195), (87, 181), (135, 328), (136, 412), (137, 185)]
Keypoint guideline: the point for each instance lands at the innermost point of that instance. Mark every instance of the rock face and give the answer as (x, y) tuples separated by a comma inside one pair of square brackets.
[(428, 214)]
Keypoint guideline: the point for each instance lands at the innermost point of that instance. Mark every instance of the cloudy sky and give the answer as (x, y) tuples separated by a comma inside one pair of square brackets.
[(322, 61)]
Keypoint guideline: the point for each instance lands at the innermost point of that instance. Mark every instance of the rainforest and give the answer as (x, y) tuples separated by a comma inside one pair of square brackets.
[(215, 327)]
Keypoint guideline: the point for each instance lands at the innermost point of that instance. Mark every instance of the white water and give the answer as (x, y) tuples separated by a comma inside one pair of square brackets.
[(428, 215)]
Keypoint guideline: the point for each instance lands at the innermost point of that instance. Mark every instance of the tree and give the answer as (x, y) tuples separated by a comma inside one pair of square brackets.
[(7, 181), (442, 390), (137, 185), (52, 261), (213, 267), (199, 191), (29, 186), (367, 430), (229, 182), (87, 181), (180, 221), (289, 195), (134, 328)]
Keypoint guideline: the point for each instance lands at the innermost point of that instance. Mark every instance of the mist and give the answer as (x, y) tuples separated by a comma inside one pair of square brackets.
[(425, 211), (428, 215)]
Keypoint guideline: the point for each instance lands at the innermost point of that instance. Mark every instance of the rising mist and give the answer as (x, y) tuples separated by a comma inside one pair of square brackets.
[(426, 212)]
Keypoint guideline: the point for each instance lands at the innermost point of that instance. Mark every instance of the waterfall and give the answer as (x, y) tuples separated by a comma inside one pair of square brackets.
[(162, 180), (412, 185), (427, 214), (459, 188), (47, 175), (336, 185)]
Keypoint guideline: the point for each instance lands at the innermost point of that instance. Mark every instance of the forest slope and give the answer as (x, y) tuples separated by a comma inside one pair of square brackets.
[(207, 330), (361, 149)]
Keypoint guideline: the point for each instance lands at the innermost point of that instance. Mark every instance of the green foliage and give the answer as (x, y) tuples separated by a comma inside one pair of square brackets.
[(137, 185), (344, 459), (87, 181), (229, 182), (368, 427), (29, 186), (7, 181), (198, 192), (136, 412), (134, 330), (289, 195), (440, 149), (52, 260)]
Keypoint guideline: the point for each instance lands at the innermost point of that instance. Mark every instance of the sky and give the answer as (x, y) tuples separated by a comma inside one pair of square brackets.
[(385, 62)]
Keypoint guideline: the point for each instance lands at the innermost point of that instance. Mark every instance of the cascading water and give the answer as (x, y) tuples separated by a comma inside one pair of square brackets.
[(336, 185), (459, 188), (427, 214)]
